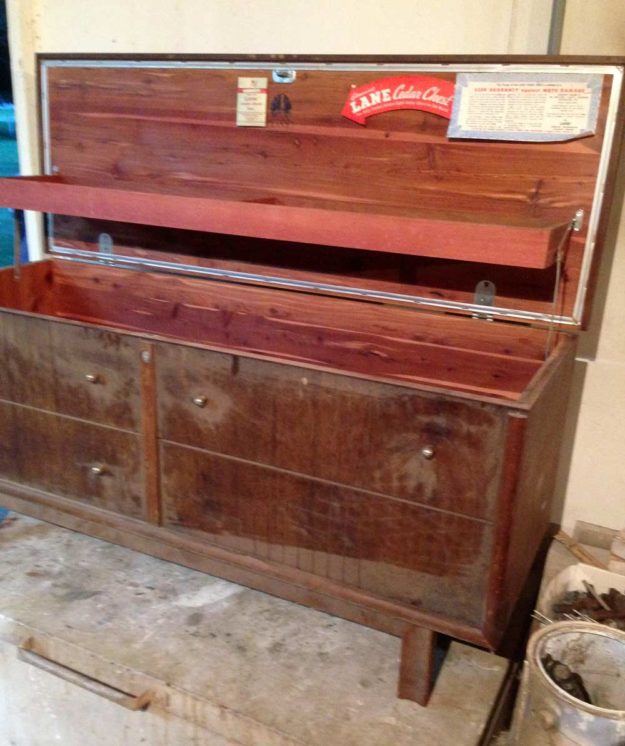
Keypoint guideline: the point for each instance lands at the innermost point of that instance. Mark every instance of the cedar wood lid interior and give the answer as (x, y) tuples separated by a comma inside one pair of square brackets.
[(164, 131)]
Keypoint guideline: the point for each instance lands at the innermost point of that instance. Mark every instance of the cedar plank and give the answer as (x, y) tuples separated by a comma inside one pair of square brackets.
[(316, 166), (270, 323), (529, 245)]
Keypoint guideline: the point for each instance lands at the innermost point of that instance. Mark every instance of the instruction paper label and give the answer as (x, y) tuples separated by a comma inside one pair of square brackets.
[(541, 108), (252, 102)]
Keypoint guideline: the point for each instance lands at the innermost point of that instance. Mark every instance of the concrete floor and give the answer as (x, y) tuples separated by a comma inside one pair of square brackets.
[(240, 666)]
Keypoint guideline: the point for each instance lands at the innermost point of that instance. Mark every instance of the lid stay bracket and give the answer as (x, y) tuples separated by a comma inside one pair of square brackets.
[(484, 296), (105, 248)]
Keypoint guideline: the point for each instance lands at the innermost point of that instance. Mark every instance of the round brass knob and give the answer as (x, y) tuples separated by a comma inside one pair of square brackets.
[(200, 401), (427, 452), (97, 470), (92, 377)]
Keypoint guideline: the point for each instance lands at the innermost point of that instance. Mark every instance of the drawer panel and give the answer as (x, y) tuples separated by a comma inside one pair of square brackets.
[(97, 375), (381, 437), (27, 361), (395, 549), (70, 369), (97, 465)]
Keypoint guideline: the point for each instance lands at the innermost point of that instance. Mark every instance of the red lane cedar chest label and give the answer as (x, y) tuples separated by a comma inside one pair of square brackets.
[(420, 92)]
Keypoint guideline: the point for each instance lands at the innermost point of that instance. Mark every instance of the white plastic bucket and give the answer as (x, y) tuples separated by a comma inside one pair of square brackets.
[(546, 715)]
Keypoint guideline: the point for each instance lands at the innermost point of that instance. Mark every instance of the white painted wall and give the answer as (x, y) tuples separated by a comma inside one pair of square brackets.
[(297, 26), (594, 488), (594, 27)]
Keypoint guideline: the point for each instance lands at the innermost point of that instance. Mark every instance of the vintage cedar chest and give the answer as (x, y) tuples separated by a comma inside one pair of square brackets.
[(323, 358)]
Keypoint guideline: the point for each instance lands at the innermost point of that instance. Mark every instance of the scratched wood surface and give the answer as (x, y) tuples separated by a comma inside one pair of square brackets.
[(173, 130), (56, 454), (349, 431), (428, 559), (27, 361), (75, 370)]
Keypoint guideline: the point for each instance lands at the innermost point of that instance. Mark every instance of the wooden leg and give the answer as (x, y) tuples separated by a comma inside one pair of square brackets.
[(416, 666)]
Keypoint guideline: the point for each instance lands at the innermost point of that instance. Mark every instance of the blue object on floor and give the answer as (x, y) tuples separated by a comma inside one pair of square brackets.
[(3, 514)]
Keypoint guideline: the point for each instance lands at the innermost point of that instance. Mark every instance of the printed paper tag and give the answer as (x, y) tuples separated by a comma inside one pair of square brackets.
[(252, 102), (542, 108)]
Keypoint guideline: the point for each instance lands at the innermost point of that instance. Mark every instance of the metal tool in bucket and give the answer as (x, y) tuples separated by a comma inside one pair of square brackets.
[(546, 714)]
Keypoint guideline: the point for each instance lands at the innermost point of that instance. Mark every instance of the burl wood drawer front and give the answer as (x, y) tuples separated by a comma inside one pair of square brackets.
[(75, 370), (98, 465), (429, 559), (381, 437)]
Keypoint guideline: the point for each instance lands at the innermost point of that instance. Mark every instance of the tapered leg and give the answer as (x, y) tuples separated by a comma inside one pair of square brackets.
[(416, 666)]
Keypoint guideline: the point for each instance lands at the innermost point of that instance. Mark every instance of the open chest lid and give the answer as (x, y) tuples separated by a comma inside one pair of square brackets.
[(477, 186)]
